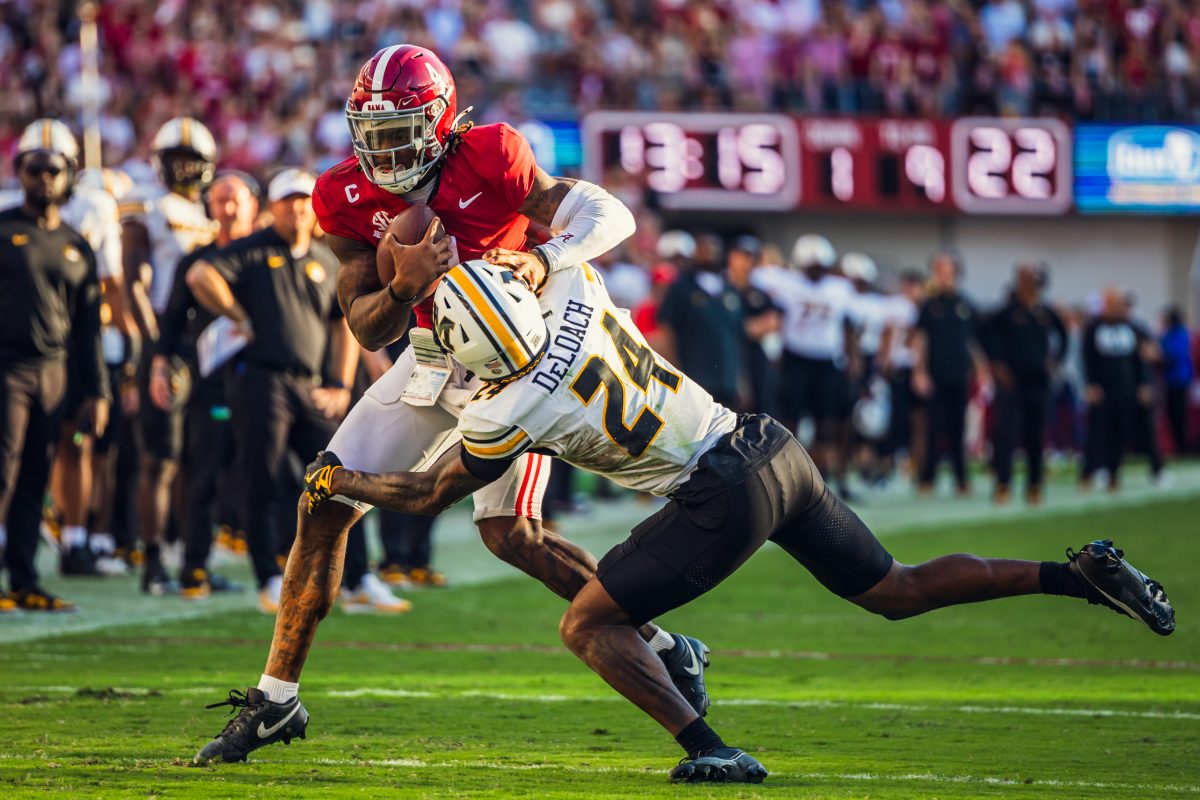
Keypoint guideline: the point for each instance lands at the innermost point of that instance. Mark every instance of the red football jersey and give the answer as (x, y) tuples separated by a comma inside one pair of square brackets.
[(483, 182)]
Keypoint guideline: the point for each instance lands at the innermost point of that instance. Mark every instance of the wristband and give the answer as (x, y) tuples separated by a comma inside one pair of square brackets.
[(398, 299), (334, 385)]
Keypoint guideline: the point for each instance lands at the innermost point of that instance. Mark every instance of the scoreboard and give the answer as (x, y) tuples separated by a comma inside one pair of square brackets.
[(776, 162)]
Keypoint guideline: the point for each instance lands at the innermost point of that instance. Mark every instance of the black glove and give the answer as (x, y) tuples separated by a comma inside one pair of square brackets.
[(318, 478)]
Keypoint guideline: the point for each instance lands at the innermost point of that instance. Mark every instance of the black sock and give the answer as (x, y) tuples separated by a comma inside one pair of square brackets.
[(698, 739), (153, 553), (1056, 578)]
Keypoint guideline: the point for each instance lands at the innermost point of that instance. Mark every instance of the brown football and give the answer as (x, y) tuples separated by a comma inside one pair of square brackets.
[(408, 227)]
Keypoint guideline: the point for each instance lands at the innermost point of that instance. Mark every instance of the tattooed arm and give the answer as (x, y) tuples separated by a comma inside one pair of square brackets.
[(585, 221), (429, 492), (376, 316)]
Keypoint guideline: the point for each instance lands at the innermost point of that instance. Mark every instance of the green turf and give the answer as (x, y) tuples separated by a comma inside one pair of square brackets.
[(472, 695)]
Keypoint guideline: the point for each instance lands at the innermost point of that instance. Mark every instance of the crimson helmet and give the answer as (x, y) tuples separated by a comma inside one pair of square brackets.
[(401, 111)]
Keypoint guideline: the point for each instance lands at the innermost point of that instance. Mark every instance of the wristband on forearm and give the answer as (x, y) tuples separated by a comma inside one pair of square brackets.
[(401, 300)]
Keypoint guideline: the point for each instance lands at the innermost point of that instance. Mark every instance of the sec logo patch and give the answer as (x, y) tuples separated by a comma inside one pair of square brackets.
[(315, 272), (71, 254)]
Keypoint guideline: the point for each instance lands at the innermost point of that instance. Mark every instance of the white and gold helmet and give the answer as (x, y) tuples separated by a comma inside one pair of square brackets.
[(859, 267), (52, 136), (185, 153), (489, 321), (812, 250)]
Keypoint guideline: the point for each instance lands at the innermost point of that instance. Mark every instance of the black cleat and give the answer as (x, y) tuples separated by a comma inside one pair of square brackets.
[(78, 562), (259, 723), (685, 664), (1112, 581), (724, 765), (155, 580)]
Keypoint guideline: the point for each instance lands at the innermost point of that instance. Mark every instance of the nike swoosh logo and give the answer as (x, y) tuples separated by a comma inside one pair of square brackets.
[(694, 667), (264, 731), (464, 203)]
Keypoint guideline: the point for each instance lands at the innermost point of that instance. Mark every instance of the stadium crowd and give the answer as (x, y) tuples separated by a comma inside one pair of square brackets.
[(270, 76)]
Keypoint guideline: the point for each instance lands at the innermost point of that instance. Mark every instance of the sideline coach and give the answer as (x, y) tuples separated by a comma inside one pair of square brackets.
[(49, 312), (280, 283)]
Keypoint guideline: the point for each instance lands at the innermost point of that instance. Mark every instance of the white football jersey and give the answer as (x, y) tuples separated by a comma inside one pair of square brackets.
[(93, 213), (868, 311), (600, 398), (814, 312), (901, 319), (175, 225)]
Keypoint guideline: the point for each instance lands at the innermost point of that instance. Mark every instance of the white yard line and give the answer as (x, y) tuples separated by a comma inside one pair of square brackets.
[(518, 697), (861, 777)]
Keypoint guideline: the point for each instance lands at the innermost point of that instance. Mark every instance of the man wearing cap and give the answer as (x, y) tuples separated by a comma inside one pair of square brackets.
[(701, 319), (279, 286), (763, 320), (49, 312)]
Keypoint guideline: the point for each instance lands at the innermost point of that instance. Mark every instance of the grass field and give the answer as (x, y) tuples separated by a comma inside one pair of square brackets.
[(471, 695)]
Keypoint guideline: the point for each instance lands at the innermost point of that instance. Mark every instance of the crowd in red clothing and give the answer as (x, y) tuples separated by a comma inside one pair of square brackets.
[(270, 76)]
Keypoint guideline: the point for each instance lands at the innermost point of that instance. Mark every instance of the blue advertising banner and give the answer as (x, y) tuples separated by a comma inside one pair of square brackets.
[(1152, 169)]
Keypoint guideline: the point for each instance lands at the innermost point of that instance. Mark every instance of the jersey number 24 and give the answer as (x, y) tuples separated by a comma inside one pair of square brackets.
[(640, 367)]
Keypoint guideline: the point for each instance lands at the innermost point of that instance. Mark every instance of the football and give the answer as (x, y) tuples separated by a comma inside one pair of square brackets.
[(408, 227)]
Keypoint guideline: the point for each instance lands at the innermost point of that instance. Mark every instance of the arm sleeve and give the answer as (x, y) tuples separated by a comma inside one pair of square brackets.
[(588, 223), (85, 334)]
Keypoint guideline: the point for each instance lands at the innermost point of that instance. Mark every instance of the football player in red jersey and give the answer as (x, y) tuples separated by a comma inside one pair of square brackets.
[(411, 147)]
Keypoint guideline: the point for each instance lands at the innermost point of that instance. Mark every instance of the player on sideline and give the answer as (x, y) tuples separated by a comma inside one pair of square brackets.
[(411, 148), (570, 376)]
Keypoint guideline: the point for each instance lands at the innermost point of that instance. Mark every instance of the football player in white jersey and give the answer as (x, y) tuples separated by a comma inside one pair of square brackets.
[(93, 213), (162, 224), (817, 305), (568, 374), (868, 391)]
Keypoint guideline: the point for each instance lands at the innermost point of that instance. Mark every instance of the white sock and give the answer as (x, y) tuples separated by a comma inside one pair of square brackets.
[(661, 641), (103, 544), (277, 691), (74, 536)]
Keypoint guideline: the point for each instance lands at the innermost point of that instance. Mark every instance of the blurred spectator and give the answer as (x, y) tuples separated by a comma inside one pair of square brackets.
[(701, 319), (895, 363), (763, 320), (947, 348), (1024, 339), (271, 76), (1117, 381), (1178, 373)]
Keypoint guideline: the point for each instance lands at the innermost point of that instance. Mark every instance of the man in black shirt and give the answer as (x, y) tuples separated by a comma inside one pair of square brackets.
[(703, 315), (279, 284), (762, 318), (1118, 380), (49, 312), (1024, 340), (947, 347), (208, 438)]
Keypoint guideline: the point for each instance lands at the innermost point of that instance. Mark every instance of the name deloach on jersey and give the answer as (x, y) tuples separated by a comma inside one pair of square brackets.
[(600, 398)]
